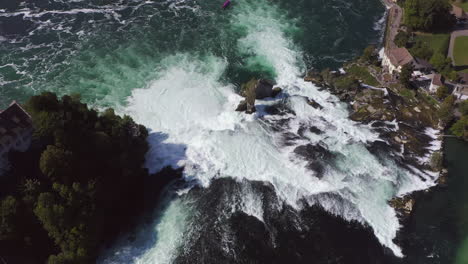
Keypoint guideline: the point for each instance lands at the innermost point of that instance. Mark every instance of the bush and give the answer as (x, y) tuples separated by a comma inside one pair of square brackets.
[(401, 39), (420, 49), (460, 128), (8, 212), (370, 55), (442, 92), (405, 75), (445, 112), (463, 107), (436, 160)]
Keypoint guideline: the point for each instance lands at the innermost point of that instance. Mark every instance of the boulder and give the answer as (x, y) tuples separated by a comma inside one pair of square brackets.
[(314, 104), (264, 89), (242, 106), (276, 91)]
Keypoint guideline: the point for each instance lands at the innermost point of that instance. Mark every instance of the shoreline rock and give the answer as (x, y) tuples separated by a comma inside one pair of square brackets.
[(256, 89)]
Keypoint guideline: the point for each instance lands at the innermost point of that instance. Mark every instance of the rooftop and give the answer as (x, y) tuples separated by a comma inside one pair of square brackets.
[(463, 78), (399, 56), (14, 117), (458, 12), (437, 80)]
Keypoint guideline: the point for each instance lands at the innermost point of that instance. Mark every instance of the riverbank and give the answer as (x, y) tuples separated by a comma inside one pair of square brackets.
[(436, 230)]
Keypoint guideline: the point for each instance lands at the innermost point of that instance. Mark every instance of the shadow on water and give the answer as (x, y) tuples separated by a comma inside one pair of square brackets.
[(438, 228), (162, 153), (160, 192)]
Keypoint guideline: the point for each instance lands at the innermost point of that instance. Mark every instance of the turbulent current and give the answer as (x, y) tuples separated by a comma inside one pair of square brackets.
[(175, 66)]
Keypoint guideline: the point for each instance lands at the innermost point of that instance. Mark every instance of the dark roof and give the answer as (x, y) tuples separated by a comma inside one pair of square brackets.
[(14, 117), (463, 78), (421, 64), (399, 56), (437, 80)]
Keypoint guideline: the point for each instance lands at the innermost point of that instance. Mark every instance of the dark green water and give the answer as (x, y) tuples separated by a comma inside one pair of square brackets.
[(105, 49), (438, 230), (108, 50)]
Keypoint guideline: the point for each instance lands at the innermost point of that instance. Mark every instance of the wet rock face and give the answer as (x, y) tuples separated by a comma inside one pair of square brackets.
[(256, 89), (263, 89), (284, 235)]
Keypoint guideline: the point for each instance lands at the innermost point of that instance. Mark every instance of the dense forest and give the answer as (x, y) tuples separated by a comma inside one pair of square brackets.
[(428, 15), (83, 185)]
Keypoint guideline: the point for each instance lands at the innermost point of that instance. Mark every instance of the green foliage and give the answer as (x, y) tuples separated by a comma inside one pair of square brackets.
[(8, 212), (428, 15), (460, 128), (440, 62), (68, 215), (405, 75), (347, 83), (442, 92), (401, 39), (434, 42), (445, 112), (460, 53), (407, 93), (370, 55), (436, 160), (362, 74), (421, 50), (56, 162), (81, 161), (463, 107)]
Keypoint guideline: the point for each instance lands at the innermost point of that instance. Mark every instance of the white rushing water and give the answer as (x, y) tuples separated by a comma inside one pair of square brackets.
[(192, 113)]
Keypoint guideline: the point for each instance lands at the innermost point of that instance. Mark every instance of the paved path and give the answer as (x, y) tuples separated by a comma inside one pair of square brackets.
[(395, 15), (453, 36)]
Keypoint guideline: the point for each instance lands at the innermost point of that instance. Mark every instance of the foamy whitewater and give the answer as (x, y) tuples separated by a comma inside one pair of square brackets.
[(190, 112)]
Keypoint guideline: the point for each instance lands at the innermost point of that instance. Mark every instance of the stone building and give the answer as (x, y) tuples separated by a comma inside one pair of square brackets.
[(395, 59), (15, 129)]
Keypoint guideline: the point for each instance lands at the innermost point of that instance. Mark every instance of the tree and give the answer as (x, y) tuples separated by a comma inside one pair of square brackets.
[(428, 15), (442, 92), (422, 50), (401, 39), (440, 61), (80, 161), (56, 162), (405, 75), (460, 128), (463, 107), (8, 211), (445, 112)]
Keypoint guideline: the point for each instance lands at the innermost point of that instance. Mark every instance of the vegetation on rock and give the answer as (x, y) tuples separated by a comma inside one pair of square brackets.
[(83, 186)]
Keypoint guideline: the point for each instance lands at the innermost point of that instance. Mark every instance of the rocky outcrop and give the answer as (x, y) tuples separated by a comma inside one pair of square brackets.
[(256, 89), (403, 205)]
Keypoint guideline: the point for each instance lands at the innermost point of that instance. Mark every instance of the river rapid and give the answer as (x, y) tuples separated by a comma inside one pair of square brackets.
[(175, 66)]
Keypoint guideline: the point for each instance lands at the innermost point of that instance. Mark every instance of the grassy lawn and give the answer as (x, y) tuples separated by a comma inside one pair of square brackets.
[(460, 51), (362, 74), (463, 5), (437, 42)]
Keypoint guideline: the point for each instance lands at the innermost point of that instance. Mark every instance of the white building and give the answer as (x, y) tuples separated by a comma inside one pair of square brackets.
[(461, 88), (15, 130), (395, 59), (436, 83)]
